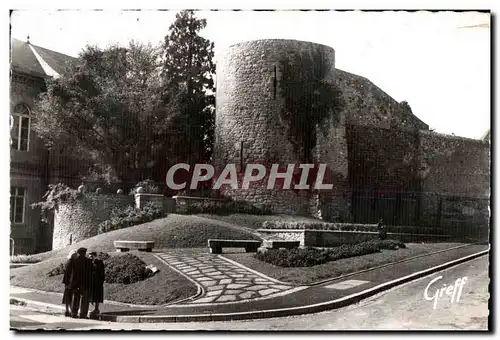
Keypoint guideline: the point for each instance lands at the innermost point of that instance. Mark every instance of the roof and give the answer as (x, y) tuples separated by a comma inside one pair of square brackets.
[(37, 61)]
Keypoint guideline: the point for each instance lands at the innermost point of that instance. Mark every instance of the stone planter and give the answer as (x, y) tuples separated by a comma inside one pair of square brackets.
[(167, 203), (332, 238)]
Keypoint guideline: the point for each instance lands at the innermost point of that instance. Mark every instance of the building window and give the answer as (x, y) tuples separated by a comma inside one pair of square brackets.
[(17, 205), (20, 127)]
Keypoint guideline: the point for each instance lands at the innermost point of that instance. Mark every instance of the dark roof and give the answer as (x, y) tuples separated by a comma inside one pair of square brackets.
[(23, 59)]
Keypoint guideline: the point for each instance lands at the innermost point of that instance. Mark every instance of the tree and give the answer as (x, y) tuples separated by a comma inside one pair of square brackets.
[(109, 109), (187, 74)]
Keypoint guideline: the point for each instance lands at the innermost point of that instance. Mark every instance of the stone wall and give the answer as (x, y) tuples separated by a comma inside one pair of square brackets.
[(168, 204), (366, 104), (76, 221), (455, 175)]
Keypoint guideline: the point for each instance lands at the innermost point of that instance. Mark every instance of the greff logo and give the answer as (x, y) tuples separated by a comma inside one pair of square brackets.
[(253, 173)]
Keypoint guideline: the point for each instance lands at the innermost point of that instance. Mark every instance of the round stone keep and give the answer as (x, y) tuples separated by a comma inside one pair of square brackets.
[(249, 126)]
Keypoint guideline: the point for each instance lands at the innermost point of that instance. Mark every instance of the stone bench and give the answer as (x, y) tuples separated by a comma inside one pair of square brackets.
[(277, 244), (216, 246), (123, 246)]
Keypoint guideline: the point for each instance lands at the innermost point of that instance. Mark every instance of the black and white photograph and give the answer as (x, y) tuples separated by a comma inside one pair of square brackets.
[(249, 170)]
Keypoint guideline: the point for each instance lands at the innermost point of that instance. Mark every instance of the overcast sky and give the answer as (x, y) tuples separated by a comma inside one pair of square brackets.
[(438, 62)]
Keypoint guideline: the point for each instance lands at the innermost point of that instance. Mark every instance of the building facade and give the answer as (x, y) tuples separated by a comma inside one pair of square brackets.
[(32, 166)]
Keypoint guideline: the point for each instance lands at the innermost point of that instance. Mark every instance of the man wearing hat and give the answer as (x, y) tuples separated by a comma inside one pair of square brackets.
[(79, 284)]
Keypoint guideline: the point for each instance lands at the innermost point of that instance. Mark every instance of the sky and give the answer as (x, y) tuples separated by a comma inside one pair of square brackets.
[(438, 62)]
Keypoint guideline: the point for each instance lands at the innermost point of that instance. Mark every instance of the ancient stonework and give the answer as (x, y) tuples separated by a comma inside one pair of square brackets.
[(77, 221), (382, 160), (251, 117)]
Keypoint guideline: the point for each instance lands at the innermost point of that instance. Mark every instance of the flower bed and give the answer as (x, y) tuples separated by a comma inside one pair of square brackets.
[(307, 257)]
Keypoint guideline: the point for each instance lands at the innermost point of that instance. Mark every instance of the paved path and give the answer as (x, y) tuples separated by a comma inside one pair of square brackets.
[(222, 280)]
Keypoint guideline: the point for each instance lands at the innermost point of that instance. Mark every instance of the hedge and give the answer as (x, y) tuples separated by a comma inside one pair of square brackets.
[(130, 216), (307, 257), (301, 225)]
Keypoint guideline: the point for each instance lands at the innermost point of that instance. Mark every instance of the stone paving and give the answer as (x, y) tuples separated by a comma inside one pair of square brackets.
[(222, 280)]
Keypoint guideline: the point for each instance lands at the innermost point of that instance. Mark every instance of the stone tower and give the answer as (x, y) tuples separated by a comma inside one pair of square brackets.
[(251, 123)]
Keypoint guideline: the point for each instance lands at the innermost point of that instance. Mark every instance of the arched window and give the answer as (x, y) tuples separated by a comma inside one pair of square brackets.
[(20, 127)]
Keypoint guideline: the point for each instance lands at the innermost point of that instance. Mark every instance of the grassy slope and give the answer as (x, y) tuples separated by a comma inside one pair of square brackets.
[(166, 286), (173, 231), (307, 275)]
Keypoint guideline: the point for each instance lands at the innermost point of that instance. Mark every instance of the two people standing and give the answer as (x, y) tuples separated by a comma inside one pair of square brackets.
[(84, 283)]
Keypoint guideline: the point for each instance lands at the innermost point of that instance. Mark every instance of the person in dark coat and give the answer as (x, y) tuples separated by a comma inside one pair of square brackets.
[(68, 266), (97, 287), (80, 281)]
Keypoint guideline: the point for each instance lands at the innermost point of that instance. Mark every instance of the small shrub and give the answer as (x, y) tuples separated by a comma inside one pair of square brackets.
[(125, 269), (148, 185), (391, 244), (122, 269), (307, 257), (127, 217), (59, 270)]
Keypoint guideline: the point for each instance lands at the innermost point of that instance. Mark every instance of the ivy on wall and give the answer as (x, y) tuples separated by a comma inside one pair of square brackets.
[(309, 100)]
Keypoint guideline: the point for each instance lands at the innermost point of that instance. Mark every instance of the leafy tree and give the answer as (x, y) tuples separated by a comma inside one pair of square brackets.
[(187, 73), (109, 109)]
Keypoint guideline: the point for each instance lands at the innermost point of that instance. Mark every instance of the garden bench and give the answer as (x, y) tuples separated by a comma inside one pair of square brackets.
[(217, 245), (123, 246), (277, 244)]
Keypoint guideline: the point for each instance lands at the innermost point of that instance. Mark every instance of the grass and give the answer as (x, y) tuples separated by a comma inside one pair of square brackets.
[(173, 231), (308, 275), (164, 287)]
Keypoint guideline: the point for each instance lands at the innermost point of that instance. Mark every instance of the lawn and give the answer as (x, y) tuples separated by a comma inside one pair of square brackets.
[(173, 231), (164, 287), (308, 275)]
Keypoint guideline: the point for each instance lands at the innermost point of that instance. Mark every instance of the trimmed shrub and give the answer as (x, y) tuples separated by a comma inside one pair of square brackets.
[(59, 270), (130, 216), (390, 244), (302, 225), (307, 257), (125, 269), (225, 207), (121, 269)]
